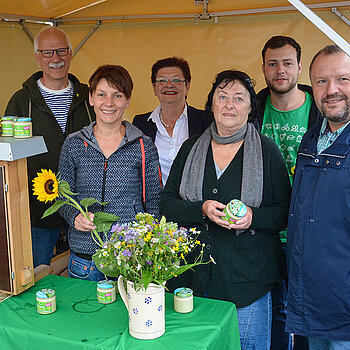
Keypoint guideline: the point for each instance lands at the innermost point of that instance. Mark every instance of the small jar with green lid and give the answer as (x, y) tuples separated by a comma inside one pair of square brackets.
[(22, 128), (7, 126), (46, 301), (106, 292), (183, 300)]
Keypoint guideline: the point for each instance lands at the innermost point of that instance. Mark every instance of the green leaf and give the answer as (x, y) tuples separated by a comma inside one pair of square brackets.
[(104, 267), (146, 278), (103, 221), (86, 202), (64, 187), (54, 207)]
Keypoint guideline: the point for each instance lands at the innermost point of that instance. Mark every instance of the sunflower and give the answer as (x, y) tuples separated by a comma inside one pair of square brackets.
[(45, 186)]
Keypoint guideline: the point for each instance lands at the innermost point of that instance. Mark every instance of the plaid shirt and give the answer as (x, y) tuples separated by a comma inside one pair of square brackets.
[(327, 137)]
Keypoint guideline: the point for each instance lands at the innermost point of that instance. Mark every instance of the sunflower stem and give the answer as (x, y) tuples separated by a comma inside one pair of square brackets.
[(78, 206)]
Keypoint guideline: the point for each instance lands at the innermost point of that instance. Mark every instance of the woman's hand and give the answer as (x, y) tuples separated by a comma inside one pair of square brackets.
[(244, 222), (211, 209), (82, 224)]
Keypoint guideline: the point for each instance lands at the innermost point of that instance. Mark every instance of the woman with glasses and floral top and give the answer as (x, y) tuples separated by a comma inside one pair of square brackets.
[(173, 121)]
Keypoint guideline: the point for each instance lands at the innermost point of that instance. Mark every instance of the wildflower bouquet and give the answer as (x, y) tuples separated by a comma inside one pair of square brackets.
[(48, 187), (146, 251)]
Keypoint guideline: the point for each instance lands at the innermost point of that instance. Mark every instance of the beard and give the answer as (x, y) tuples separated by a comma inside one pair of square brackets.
[(282, 89), (342, 115)]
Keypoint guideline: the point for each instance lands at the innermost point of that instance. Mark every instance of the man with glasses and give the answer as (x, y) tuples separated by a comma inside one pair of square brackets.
[(173, 121), (58, 105)]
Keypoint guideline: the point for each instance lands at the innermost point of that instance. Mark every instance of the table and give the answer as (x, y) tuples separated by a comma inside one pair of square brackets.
[(81, 323)]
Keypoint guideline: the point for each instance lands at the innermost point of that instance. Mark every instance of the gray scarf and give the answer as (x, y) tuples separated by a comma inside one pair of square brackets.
[(191, 185)]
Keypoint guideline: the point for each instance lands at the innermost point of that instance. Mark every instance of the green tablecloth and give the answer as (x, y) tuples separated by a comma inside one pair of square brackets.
[(80, 322)]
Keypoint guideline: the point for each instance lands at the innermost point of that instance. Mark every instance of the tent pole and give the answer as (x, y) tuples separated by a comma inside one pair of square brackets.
[(27, 30), (321, 25), (341, 16), (87, 36)]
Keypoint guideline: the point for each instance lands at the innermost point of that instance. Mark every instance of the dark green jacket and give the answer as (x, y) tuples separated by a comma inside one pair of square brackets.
[(29, 102), (249, 265)]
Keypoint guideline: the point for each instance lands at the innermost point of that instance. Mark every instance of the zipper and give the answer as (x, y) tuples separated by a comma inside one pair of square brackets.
[(105, 167)]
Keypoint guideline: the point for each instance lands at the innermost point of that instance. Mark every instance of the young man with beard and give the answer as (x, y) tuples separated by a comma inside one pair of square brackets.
[(58, 105), (173, 121), (287, 111), (318, 246)]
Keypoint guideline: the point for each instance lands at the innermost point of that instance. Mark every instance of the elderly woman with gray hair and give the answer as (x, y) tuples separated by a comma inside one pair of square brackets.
[(231, 160)]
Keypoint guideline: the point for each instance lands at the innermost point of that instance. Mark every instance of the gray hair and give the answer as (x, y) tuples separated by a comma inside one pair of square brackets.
[(328, 50), (46, 29)]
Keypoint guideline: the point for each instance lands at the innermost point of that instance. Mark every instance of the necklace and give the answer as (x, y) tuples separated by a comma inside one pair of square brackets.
[(163, 122)]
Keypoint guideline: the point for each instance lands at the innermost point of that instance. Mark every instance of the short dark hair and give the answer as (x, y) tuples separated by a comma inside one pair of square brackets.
[(279, 41), (171, 62), (116, 76), (328, 50), (227, 76)]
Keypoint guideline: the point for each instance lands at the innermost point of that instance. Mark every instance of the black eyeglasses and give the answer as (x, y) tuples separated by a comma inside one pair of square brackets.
[(60, 52)]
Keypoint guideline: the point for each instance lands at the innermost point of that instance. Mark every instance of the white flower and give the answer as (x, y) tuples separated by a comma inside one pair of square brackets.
[(138, 267), (155, 240)]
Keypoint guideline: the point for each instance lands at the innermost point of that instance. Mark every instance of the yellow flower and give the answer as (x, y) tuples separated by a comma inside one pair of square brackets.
[(45, 186)]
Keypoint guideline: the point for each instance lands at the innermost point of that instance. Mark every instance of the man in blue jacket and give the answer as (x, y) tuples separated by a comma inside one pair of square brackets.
[(318, 245)]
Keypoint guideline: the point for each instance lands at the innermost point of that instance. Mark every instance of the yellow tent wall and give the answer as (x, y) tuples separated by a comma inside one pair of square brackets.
[(233, 42)]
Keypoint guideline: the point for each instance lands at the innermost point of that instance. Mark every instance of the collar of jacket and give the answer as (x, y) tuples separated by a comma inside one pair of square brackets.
[(132, 133), (340, 148), (31, 86), (314, 114)]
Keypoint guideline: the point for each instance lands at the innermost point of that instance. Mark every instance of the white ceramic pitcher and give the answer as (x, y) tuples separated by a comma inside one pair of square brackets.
[(146, 309)]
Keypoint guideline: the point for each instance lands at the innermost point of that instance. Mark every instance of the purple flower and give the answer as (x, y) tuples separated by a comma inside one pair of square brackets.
[(131, 235), (149, 262), (114, 227), (127, 252), (115, 254), (120, 238), (101, 266)]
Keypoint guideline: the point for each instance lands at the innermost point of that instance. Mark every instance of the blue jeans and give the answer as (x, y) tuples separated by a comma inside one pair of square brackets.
[(280, 340), (83, 269), (254, 323), (43, 243), (326, 344)]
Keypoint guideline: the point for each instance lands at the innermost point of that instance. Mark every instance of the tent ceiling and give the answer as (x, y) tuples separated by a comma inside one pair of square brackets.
[(66, 9)]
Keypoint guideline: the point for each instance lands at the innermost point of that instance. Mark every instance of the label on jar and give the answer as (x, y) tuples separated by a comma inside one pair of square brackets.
[(7, 127), (106, 292), (46, 301)]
